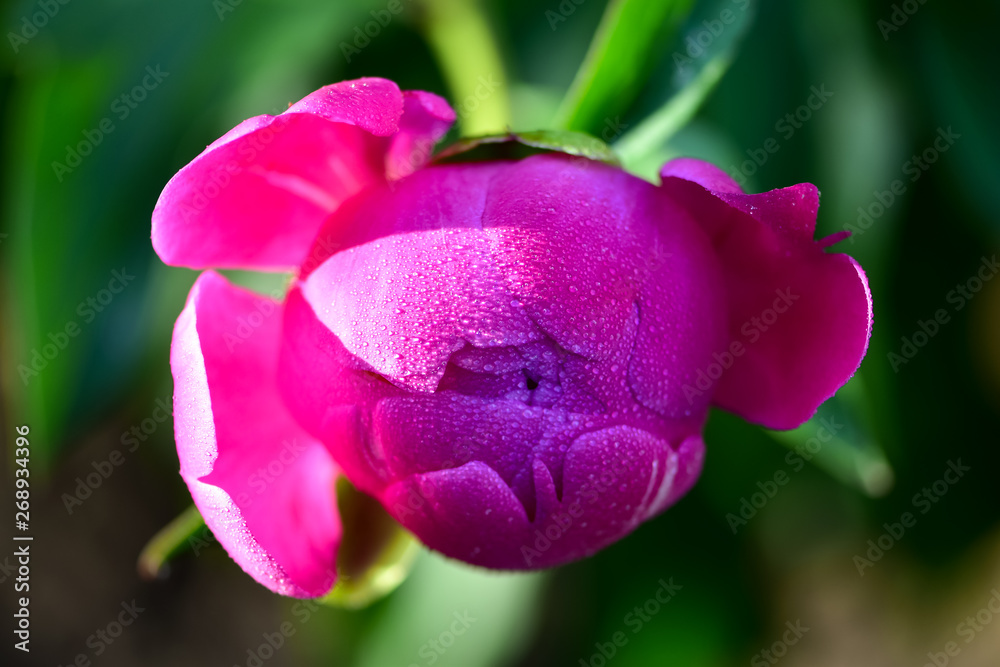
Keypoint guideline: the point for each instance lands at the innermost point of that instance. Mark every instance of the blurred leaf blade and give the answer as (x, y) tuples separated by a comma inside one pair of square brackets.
[(657, 129), (840, 440), (617, 61), (463, 42)]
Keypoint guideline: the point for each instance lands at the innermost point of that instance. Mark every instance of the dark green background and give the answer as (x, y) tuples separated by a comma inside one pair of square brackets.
[(793, 561)]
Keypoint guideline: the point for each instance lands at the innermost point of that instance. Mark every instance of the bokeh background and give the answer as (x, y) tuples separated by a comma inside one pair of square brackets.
[(900, 75)]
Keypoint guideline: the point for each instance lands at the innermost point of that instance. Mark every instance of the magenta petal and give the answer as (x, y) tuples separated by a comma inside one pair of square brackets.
[(614, 479), (800, 318), (705, 174), (256, 197), (426, 118), (264, 486), (593, 250), (434, 198), (385, 300), (330, 393)]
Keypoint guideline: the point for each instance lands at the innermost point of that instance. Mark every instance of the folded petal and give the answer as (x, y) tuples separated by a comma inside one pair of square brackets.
[(265, 487), (799, 318), (256, 197), (426, 118), (405, 303), (615, 478)]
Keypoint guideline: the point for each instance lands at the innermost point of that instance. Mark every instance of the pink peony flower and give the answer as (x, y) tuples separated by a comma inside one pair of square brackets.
[(516, 358)]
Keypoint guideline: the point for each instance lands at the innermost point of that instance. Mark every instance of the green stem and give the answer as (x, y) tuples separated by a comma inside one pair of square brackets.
[(467, 52), (171, 540)]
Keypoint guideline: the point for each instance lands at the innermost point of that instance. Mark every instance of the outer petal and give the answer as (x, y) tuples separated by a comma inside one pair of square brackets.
[(801, 317), (256, 197), (435, 198), (264, 486)]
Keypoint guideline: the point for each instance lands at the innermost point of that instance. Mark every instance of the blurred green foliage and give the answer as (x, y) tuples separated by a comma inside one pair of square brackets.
[(71, 219)]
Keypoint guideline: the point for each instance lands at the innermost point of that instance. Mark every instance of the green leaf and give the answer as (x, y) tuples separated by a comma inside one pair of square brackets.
[(563, 141), (568, 141), (699, 57), (840, 440), (618, 60), (653, 133), (374, 557)]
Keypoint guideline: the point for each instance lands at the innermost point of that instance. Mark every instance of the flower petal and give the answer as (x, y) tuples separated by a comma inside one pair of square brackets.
[(426, 118), (615, 478), (330, 392), (799, 318), (264, 486), (434, 198), (256, 197), (405, 303), (591, 249)]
